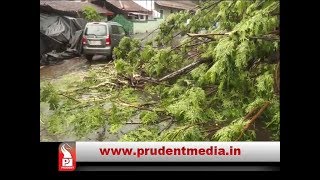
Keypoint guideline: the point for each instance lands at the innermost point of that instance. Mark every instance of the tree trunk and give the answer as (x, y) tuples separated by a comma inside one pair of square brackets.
[(184, 69)]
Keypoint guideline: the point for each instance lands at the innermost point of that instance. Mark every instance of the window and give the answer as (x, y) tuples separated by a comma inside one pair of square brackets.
[(141, 17), (96, 29), (121, 31), (161, 13), (114, 29), (171, 11), (136, 16), (146, 17)]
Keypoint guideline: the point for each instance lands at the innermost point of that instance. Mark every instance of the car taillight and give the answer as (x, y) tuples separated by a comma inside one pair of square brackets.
[(84, 40), (108, 40)]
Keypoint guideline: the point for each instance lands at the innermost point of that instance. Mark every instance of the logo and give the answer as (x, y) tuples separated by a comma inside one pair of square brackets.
[(67, 157)]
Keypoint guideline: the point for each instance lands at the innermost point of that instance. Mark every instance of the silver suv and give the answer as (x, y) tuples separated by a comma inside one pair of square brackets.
[(99, 38)]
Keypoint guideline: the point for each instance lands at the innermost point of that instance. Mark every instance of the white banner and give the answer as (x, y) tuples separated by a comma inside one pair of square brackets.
[(178, 151)]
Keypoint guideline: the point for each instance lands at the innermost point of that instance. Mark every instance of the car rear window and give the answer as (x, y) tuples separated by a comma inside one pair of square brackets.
[(114, 29), (96, 29), (121, 30)]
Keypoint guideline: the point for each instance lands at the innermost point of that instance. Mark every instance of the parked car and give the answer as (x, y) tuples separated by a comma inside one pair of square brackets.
[(99, 38)]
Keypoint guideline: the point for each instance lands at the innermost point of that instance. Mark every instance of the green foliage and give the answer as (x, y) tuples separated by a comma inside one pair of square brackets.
[(188, 107), (126, 44), (240, 75), (230, 132), (148, 117), (182, 133), (132, 59), (245, 52), (91, 14), (147, 53), (238, 79), (129, 95), (274, 125), (80, 122), (159, 63), (122, 66), (265, 84), (172, 23), (176, 90), (56, 123), (127, 61), (272, 119), (258, 102), (91, 79), (89, 120), (49, 94), (141, 134), (117, 116), (198, 72)]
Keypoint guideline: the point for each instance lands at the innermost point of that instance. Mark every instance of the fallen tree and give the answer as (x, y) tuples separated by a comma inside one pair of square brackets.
[(212, 86), (235, 60), (138, 80)]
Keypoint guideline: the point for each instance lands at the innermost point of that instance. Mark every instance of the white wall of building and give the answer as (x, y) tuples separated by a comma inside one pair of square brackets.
[(149, 5)]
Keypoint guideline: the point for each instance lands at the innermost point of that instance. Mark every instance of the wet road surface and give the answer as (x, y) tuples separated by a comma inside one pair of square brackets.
[(68, 66)]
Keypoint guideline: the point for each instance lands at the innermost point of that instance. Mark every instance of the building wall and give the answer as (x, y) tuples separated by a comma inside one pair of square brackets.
[(154, 20), (146, 26), (166, 11), (147, 4), (150, 25)]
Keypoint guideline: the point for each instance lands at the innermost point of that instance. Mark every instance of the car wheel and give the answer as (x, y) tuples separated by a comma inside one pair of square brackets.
[(89, 57), (113, 56), (108, 57)]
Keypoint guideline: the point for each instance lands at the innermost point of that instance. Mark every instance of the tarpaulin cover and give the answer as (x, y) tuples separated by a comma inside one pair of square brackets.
[(57, 33)]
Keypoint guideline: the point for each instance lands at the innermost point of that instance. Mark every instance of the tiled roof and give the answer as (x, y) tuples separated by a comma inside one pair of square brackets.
[(73, 6), (127, 5), (187, 5)]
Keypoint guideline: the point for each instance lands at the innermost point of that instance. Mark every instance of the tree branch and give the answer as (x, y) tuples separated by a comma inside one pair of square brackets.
[(214, 3), (149, 34), (168, 126), (254, 118), (180, 45), (138, 81), (133, 123), (184, 69), (251, 113), (70, 98), (266, 38), (181, 130), (132, 105), (277, 79), (207, 35), (102, 84)]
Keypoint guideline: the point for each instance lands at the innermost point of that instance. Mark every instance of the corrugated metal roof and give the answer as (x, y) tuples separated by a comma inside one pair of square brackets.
[(127, 5), (73, 6), (186, 5)]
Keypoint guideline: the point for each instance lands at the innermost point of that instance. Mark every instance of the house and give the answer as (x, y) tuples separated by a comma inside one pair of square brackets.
[(127, 13), (127, 8), (141, 16), (71, 8), (160, 9)]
